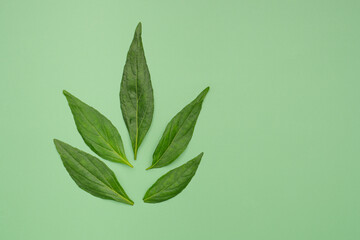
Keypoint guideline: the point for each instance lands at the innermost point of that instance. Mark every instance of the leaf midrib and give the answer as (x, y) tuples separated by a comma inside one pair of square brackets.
[(137, 109)]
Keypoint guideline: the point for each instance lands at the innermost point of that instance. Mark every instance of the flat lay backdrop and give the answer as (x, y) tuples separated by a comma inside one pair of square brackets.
[(280, 127)]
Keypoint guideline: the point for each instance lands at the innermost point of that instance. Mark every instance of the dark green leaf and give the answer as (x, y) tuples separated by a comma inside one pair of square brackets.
[(136, 93), (178, 133), (97, 131), (173, 182), (91, 174)]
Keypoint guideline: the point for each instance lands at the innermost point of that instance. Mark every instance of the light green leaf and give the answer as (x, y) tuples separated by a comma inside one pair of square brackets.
[(178, 133), (97, 131), (173, 182), (136, 93), (91, 174)]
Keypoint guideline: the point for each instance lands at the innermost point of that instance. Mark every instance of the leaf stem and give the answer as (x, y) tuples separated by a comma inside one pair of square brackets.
[(150, 167)]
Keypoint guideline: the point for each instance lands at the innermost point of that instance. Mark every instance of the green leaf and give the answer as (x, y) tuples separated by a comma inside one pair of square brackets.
[(173, 182), (97, 131), (136, 93), (91, 174), (178, 133)]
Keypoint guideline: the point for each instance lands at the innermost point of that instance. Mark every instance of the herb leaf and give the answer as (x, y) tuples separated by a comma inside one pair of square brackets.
[(178, 133), (91, 174), (136, 93), (97, 131), (173, 182)]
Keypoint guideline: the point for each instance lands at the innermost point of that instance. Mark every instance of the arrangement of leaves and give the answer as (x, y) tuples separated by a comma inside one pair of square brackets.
[(100, 135)]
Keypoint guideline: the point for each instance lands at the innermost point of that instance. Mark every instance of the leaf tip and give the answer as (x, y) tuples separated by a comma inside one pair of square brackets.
[(58, 144), (67, 94), (199, 157), (202, 95), (138, 29), (206, 90)]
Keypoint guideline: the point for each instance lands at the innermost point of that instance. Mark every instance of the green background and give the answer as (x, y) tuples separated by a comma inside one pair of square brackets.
[(279, 127)]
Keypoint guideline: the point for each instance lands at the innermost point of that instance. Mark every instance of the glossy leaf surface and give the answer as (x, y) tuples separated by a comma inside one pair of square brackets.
[(136, 93), (178, 133), (173, 182), (97, 131), (91, 174)]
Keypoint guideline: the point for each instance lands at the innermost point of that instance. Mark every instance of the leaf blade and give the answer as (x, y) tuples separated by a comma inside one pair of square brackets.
[(136, 93), (97, 131), (91, 174), (178, 133), (173, 182)]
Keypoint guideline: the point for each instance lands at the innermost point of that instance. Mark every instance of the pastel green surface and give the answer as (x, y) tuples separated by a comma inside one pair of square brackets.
[(280, 129)]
